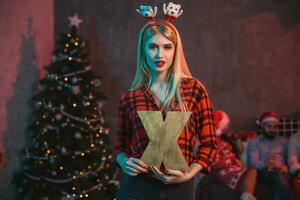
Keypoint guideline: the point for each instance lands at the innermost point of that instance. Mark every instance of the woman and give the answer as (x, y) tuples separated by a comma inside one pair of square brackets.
[(227, 166), (163, 83)]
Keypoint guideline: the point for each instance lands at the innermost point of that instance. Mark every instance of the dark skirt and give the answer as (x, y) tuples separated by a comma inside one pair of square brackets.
[(144, 187)]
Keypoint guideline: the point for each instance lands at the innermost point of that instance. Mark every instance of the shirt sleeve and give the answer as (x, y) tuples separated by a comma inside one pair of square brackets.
[(206, 133), (293, 157), (124, 130), (254, 159), (221, 157)]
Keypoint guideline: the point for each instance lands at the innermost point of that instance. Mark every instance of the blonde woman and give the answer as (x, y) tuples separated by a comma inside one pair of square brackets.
[(163, 83)]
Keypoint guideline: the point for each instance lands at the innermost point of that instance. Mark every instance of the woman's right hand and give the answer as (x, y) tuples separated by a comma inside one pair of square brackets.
[(133, 166)]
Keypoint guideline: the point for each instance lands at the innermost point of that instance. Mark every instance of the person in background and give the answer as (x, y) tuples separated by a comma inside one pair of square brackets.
[(294, 162), (241, 140), (268, 154), (227, 166)]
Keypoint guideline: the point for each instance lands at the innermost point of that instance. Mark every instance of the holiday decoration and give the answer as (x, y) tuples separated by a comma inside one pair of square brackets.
[(69, 155), (147, 11), (163, 135), (75, 21), (172, 11)]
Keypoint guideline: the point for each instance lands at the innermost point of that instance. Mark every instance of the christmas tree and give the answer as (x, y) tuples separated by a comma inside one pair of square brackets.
[(68, 156)]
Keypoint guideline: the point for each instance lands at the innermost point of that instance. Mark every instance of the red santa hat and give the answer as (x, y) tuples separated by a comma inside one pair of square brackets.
[(269, 116), (221, 120)]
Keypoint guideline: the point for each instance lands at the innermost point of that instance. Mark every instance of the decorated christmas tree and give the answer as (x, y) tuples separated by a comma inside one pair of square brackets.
[(68, 155)]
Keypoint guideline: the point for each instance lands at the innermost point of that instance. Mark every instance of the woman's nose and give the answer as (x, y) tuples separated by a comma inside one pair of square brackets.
[(158, 53)]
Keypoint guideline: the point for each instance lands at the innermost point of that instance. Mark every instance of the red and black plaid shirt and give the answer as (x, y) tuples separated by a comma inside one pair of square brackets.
[(132, 137)]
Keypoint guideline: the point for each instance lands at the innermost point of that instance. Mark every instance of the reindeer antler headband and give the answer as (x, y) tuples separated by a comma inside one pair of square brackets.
[(171, 12)]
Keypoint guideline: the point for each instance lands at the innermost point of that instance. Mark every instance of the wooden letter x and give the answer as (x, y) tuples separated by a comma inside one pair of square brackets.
[(163, 136)]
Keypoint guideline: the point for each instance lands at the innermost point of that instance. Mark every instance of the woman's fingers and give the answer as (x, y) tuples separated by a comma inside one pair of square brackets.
[(174, 172), (158, 174), (131, 171), (139, 163), (169, 177), (135, 166), (156, 171), (138, 168)]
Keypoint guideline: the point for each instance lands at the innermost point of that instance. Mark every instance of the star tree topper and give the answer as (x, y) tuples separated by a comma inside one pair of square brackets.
[(75, 21)]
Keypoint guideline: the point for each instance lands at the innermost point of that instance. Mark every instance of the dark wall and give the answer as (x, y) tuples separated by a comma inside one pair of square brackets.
[(26, 43), (247, 53)]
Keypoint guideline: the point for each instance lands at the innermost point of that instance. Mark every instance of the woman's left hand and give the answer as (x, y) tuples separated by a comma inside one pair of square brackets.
[(171, 176)]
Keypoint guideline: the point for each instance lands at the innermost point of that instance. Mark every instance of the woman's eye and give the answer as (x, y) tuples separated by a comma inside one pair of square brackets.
[(152, 47), (168, 47)]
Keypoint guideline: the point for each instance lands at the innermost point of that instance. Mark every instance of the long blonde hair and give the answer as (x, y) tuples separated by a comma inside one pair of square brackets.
[(179, 66)]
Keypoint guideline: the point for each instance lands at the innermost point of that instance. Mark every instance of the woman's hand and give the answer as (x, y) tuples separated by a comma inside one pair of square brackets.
[(134, 166), (170, 176), (175, 176)]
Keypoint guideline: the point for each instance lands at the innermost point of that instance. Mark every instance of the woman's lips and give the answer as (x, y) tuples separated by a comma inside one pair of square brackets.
[(160, 63)]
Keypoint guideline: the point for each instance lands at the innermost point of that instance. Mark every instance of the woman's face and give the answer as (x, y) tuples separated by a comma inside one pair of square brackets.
[(159, 53)]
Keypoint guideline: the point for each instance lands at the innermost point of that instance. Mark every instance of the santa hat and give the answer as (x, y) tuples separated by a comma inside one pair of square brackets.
[(268, 117), (221, 120)]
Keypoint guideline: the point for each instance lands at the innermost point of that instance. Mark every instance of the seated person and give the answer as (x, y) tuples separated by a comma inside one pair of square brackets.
[(294, 162), (241, 140), (267, 153), (227, 166)]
